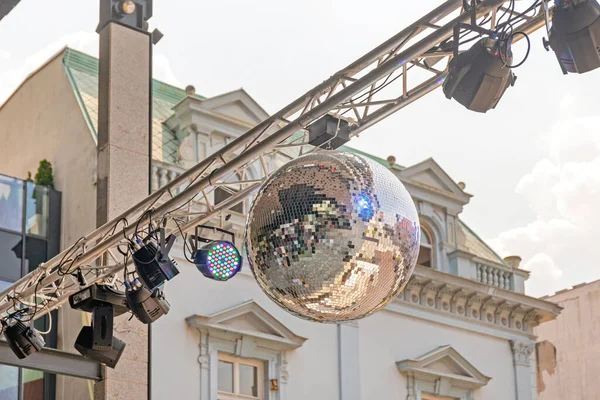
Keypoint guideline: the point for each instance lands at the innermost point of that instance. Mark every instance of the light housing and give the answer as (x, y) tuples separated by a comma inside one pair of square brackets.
[(85, 343), (22, 338), (152, 263), (329, 129), (147, 305), (575, 35), (134, 14), (478, 77), (219, 260)]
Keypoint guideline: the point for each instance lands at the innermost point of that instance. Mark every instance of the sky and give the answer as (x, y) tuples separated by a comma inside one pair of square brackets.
[(532, 164)]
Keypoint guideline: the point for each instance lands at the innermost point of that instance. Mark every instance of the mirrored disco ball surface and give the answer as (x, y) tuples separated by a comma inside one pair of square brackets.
[(332, 236)]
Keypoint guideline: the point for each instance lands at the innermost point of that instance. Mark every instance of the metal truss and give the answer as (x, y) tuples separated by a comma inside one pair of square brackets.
[(383, 81)]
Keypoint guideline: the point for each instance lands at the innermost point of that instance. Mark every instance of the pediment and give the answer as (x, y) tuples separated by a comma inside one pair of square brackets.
[(237, 105), (444, 363), (429, 174), (248, 319)]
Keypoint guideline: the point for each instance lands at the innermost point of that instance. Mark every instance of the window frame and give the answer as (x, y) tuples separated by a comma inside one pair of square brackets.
[(428, 232), (236, 361)]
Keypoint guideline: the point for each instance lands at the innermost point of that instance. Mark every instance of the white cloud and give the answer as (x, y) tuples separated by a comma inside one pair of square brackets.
[(12, 78), (4, 55), (545, 276), (563, 189), (162, 71)]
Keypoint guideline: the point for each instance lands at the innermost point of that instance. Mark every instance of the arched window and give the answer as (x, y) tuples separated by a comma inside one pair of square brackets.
[(426, 249)]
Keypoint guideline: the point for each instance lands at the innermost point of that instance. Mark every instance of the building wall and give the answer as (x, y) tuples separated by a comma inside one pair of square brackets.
[(312, 368), (387, 337), (574, 337), (42, 120)]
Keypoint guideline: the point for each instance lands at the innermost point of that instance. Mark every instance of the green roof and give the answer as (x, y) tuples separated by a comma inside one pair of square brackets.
[(82, 71)]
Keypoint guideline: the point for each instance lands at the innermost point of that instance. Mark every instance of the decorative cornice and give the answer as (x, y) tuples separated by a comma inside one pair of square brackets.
[(471, 302)]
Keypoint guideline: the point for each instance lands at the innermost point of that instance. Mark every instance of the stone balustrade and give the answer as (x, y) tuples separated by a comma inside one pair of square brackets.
[(494, 276), (162, 174)]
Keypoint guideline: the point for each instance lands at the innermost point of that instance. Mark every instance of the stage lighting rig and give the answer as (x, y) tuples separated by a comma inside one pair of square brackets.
[(22, 338), (219, 260), (152, 261), (97, 341), (478, 77), (575, 35)]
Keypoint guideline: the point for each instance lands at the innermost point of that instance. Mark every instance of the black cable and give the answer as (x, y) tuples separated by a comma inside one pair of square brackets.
[(185, 243)]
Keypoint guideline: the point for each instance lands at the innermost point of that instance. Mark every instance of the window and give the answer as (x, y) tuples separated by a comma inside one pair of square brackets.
[(426, 248), (427, 396), (240, 378)]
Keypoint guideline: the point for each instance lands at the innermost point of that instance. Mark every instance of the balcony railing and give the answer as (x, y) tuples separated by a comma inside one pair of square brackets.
[(163, 174), (495, 276)]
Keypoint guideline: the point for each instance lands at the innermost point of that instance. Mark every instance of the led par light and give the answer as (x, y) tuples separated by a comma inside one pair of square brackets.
[(152, 263), (147, 305), (478, 78), (219, 260), (85, 346), (575, 35), (22, 338)]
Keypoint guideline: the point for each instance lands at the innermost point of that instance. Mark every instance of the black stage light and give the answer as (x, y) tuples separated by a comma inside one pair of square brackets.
[(89, 298), (152, 263), (22, 338), (219, 260), (85, 343), (329, 129), (147, 305), (575, 35), (478, 77), (132, 13)]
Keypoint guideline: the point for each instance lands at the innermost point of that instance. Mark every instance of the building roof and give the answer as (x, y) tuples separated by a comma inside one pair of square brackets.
[(82, 72)]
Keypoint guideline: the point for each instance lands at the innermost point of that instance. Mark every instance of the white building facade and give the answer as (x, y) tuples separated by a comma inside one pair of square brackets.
[(461, 330)]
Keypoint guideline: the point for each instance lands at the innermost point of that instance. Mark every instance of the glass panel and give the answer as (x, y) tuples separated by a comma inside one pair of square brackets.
[(11, 251), (248, 380), (33, 385), (425, 239), (11, 204), (424, 257), (225, 376), (36, 219), (36, 252), (9, 383)]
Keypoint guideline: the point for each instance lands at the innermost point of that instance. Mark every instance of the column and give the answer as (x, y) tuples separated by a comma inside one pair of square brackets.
[(521, 359), (349, 361), (123, 177)]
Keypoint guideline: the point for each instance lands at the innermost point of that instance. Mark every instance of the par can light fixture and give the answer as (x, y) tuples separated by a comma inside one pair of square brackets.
[(219, 260), (478, 77), (22, 338), (575, 35)]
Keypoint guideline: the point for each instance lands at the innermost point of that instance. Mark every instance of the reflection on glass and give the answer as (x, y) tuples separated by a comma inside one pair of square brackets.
[(9, 383), (248, 381), (33, 385), (36, 252), (36, 219), (11, 249), (225, 375), (11, 204)]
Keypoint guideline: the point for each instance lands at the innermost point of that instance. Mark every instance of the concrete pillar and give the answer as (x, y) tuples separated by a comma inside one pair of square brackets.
[(124, 128), (349, 361), (521, 359)]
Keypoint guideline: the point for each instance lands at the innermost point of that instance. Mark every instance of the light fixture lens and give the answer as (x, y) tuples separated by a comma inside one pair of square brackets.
[(218, 260), (128, 7)]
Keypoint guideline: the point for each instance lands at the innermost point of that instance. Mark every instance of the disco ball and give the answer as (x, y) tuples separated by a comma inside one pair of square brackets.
[(332, 236)]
